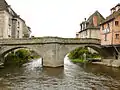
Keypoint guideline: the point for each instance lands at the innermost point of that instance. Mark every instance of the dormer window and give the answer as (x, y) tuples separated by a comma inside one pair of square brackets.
[(116, 23)]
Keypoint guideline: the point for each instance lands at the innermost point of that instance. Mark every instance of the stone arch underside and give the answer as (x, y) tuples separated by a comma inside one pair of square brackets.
[(68, 48), (6, 49)]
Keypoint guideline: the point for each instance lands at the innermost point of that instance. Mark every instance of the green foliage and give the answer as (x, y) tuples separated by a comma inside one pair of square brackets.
[(23, 54), (78, 54), (79, 60), (19, 57)]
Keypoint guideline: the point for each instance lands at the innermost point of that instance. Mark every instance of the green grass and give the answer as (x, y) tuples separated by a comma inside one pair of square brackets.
[(78, 60)]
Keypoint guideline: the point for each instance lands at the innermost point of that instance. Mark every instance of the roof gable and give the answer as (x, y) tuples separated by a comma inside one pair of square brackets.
[(3, 5), (100, 18)]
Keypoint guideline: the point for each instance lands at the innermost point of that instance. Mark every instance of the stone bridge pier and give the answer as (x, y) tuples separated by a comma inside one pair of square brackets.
[(53, 55)]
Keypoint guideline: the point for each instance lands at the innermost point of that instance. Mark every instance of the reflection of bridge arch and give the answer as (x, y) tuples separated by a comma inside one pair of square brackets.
[(52, 49)]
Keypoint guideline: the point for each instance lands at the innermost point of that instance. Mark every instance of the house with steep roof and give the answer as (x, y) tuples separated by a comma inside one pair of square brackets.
[(110, 28), (90, 28), (11, 24)]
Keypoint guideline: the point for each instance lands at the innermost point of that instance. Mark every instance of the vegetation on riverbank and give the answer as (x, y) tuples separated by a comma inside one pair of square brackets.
[(82, 55), (19, 57), (78, 60)]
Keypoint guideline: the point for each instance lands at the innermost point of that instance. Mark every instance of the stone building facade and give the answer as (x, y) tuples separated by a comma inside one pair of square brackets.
[(90, 28), (11, 25)]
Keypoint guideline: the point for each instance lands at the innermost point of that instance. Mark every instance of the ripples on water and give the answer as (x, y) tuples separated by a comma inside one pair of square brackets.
[(32, 76)]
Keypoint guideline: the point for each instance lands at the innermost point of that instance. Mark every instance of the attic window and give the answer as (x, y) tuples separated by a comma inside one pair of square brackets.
[(116, 23)]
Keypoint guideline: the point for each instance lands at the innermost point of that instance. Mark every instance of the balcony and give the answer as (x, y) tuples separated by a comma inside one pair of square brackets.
[(106, 30)]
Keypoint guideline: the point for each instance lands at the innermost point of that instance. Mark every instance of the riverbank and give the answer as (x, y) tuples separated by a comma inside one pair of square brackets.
[(109, 62), (78, 60), (106, 62), (19, 57)]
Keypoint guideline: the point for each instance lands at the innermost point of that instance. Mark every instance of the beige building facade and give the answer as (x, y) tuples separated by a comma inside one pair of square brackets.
[(11, 25)]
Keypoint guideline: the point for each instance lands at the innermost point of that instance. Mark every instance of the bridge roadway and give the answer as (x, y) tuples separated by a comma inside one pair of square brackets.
[(51, 49)]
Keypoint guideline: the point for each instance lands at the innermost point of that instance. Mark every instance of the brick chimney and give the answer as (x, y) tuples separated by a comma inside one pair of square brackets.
[(95, 21)]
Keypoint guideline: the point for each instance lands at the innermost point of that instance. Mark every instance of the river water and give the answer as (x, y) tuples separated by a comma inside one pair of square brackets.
[(32, 76)]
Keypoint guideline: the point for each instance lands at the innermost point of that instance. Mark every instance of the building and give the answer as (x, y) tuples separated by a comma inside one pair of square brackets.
[(110, 28), (26, 31), (11, 25), (90, 28)]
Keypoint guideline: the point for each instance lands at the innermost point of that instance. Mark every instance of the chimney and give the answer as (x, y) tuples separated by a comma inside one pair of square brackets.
[(113, 10), (117, 7), (95, 21)]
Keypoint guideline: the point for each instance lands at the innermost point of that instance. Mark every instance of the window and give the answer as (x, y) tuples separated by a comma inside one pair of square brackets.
[(10, 22), (116, 36), (116, 23), (86, 33), (81, 26), (105, 37), (108, 26), (102, 27), (9, 31), (17, 34), (18, 24)]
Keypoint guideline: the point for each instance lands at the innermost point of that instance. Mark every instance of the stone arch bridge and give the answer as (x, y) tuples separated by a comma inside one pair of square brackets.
[(51, 49)]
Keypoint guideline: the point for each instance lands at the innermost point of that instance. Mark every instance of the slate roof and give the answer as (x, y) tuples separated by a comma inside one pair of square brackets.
[(89, 21), (4, 6)]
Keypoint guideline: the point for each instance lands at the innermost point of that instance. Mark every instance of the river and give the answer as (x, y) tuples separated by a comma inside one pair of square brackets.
[(32, 76)]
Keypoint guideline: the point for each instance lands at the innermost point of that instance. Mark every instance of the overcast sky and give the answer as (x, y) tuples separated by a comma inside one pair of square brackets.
[(58, 17)]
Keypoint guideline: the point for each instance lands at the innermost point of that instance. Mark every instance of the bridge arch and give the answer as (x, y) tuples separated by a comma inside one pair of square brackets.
[(5, 50), (64, 50), (11, 48)]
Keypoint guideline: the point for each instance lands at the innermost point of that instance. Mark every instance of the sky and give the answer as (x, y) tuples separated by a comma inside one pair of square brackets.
[(58, 17)]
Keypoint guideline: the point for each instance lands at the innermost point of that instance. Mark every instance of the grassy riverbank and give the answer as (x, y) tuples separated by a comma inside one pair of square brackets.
[(79, 60), (82, 55)]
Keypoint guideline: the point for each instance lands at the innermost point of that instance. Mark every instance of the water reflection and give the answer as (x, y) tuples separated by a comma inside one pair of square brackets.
[(32, 76), (53, 72)]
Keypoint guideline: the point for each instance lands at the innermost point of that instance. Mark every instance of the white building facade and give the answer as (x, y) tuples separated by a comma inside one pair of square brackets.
[(11, 25)]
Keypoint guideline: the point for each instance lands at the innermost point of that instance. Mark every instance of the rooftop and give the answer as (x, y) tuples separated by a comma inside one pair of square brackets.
[(100, 18), (3, 5), (111, 17)]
